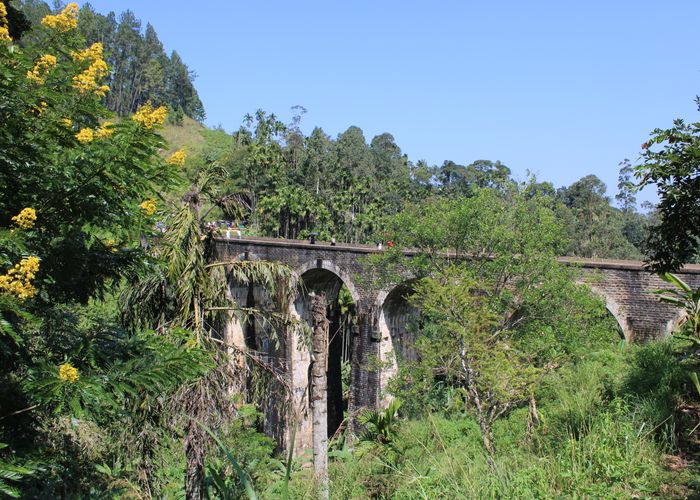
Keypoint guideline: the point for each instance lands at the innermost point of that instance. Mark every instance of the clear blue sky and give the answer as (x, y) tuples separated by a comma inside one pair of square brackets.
[(562, 88)]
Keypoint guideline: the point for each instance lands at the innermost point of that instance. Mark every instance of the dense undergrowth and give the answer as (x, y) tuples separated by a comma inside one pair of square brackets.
[(610, 427)]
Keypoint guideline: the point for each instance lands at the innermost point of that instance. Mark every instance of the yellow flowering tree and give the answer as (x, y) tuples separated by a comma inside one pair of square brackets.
[(79, 190), (84, 176)]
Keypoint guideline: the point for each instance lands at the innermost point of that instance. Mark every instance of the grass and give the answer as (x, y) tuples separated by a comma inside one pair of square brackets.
[(188, 136)]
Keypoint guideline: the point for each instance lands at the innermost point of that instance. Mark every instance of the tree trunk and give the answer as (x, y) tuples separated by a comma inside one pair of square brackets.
[(533, 418), (486, 434), (319, 396), (487, 438)]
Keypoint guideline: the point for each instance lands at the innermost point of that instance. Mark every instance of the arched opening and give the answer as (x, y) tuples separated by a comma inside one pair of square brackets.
[(251, 331), (398, 329), (621, 322), (676, 322), (341, 298), (248, 329)]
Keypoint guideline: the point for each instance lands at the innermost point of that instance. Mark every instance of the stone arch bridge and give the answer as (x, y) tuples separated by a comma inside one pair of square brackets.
[(383, 315)]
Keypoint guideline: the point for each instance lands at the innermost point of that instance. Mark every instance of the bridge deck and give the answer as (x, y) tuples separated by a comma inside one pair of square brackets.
[(372, 249)]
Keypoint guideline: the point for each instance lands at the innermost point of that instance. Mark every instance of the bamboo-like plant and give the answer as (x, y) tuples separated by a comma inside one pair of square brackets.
[(686, 298)]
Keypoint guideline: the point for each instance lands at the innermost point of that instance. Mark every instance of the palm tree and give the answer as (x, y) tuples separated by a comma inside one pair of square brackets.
[(189, 290), (319, 399)]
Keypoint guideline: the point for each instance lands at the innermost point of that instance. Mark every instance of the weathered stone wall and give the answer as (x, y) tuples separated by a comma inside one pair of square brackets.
[(626, 287), (384, 315)]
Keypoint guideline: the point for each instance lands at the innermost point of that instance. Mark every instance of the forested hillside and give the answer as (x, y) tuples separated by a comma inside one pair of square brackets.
[(140, 70), (130, 371)]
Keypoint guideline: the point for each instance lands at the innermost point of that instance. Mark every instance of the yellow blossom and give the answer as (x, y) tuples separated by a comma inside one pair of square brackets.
[(104, 130), (88, 80), (147, 117), (25, 219), (85, 136), (67, 122), (65, 21), (68, 373), (177, 158), (92, 53), (148, 206), (102, 90), (17, 281), (4, 31), (41, 68)]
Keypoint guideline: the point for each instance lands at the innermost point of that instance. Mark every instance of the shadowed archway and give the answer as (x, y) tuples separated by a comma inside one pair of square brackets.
[(322, 277)]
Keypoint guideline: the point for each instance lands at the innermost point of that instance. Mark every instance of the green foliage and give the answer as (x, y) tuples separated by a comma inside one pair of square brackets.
[(593, 441), (77, 390), (673, 169), (688, 337), (497, 310), (596, 228), (97, 398), (380, 425), (11, 473), (86, 194), (219, 481), (685, 298), (141, 70)]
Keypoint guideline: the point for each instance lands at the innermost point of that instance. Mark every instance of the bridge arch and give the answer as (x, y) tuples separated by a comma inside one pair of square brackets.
[(323, 276), (316, 272), (615, 310), (397, 330)]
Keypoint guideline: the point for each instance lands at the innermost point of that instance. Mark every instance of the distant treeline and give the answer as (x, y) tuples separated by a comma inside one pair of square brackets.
[(141, 71), (344, 187)]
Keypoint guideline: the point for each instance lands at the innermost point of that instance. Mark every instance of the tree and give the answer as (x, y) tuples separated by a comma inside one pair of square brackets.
[(671, 161), (84, 176), (596, 227), (189, 290), (256, 164), (79, 196), (471, 348), (140, 70), (459, 179), (688, 300), (626, 188), (181, 92), (497, 309), (319, 395)]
